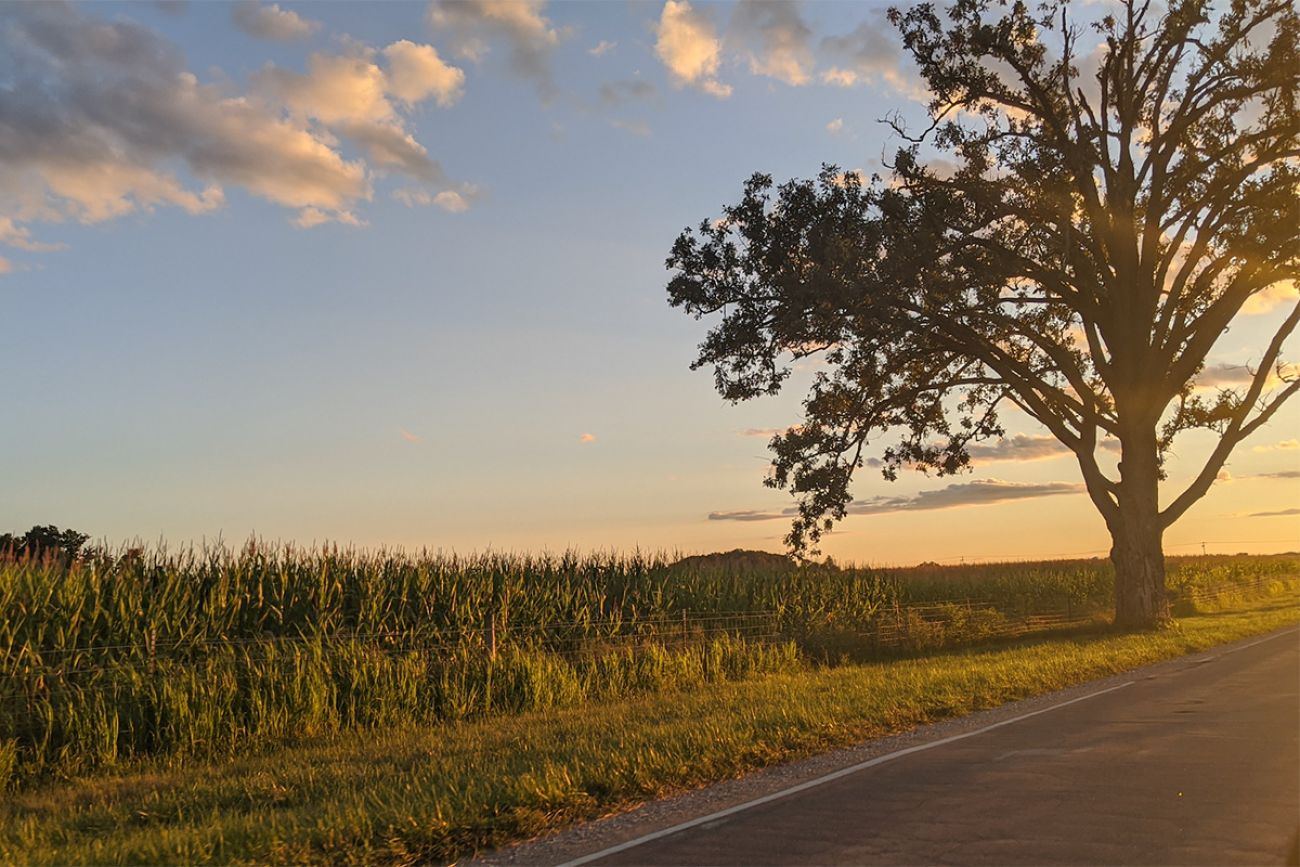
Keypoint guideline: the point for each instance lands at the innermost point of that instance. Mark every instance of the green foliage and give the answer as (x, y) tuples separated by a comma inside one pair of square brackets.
[(421, 794), (46, 541), (112, 659), (1116, 189)]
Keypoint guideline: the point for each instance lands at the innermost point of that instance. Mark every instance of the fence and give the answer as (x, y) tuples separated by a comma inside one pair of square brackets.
[(892, 629)]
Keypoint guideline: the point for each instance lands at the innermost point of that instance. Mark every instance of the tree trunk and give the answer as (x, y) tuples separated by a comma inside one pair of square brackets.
[(1138, 555), (1137, 548)]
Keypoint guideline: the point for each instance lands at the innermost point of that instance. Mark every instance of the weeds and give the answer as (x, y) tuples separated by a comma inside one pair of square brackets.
[(206, 653)]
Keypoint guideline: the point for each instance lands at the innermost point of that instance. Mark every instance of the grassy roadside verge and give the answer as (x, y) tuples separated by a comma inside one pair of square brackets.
[(408, 795)]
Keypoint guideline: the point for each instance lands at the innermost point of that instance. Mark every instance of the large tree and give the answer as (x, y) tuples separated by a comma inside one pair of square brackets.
[(1088, 208)]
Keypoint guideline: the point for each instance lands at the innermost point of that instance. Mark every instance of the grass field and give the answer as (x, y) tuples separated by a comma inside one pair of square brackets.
[(408, 794), (197, 655)]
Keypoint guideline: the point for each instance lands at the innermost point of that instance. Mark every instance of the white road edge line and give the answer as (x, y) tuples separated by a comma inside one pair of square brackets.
[(835, 775), (861, 766)]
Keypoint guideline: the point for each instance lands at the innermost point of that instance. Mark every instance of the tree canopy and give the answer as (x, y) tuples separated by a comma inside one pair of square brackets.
[(1110, 195), (43, 541)]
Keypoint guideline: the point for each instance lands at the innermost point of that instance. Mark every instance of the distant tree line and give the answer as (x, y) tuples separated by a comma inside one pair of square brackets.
[(43, 542)]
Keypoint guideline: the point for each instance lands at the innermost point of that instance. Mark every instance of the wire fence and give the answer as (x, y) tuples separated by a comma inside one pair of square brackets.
[(890, 629)]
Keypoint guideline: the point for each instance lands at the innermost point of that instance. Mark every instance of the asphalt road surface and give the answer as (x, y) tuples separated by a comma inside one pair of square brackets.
[(1197, 763)]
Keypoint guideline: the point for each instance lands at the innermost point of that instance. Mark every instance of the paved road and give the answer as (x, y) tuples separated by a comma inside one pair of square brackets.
[(1198, 764)]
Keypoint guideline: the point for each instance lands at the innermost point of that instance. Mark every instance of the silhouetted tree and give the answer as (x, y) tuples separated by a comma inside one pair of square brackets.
[(43, 541), (1091, 237)]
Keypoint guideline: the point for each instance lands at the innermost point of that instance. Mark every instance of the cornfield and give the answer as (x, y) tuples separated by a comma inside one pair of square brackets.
[(209, 652)]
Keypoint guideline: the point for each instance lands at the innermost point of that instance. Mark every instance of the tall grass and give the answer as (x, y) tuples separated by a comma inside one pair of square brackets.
[(206, 652)]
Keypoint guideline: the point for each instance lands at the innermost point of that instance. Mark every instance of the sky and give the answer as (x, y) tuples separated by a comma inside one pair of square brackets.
[(392, 274)]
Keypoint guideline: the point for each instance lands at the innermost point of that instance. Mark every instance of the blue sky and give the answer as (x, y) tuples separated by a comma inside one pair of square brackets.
[(393, 274)]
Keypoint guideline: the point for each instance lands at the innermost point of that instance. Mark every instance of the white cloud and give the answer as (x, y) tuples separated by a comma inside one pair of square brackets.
[(309, 217), (271, 22), (870, 54), (416, 72), (453, 200), (101, 119), (1272, 297), (450, 200), (1027, 447), (601, 48), (774, 39), (335, 89), (530, 35), (1224, 375), (839, 77), (836, 126), (14, 235), (690, 49)]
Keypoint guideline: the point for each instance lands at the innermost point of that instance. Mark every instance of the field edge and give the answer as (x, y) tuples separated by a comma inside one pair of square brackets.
[(447, 791)]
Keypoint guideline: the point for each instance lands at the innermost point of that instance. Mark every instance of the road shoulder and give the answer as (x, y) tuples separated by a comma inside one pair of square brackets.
[(656, 816)]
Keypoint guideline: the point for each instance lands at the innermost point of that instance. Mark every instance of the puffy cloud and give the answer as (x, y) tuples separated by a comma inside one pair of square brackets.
[(601, 48), (870, 54), (1222, 374), (309, 217), (774, 38), (1024, 447), (453, 200), (391, 146), (5, 265), (587, 438), (271, 22), (839, 77), (14, 235), (836, 126), (100, 119), (335, 89), (530, 35), (1272, 297), (980, 492), (416, 72), (688, 45)]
